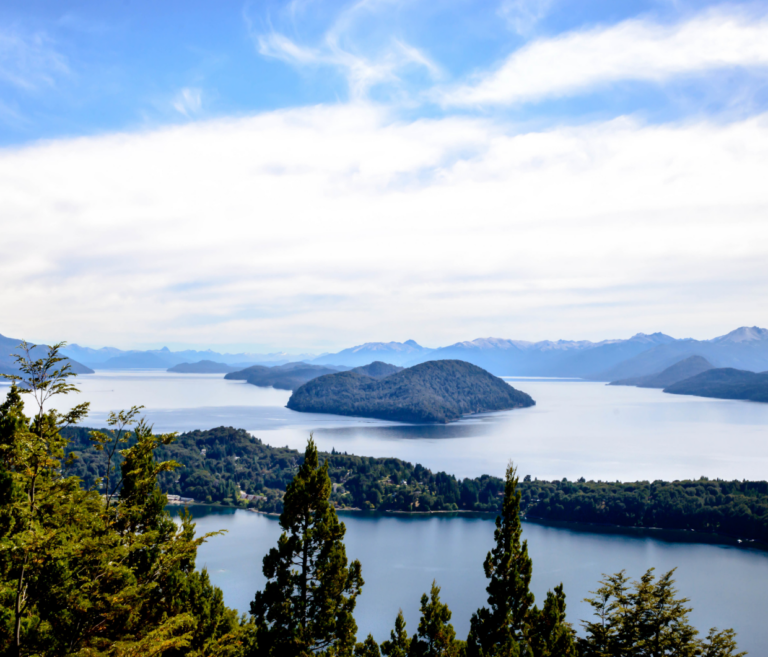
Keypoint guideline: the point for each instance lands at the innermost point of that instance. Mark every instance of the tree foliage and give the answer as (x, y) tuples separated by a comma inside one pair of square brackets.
[(308, 602)]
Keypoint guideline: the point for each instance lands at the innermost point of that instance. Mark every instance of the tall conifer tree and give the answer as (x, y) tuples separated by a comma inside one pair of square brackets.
[(307, 603), (511, 625)]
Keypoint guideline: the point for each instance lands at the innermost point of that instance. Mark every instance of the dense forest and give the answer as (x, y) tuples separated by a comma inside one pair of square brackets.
[(436, 391), (218, 464)]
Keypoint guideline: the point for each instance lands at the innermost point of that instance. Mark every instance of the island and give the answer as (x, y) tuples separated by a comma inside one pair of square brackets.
[(680, 371), (437, 391), (284, 377), (204, 367), (725, 383)]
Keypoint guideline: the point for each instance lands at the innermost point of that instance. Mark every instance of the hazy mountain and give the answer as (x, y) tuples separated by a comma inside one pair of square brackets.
[(680, 371), (285, 377), (745, 348), (8, 347), (724, 383), (394, 353), (205, 367), (563, 358), (112, 358)]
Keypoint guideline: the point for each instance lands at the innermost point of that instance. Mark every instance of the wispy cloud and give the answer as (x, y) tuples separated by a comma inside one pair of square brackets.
[(631, 50), (188, 101), (523, 15), (29, 61), (335, 49)]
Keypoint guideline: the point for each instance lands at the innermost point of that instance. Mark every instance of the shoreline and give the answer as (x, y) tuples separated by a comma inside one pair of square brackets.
[(689, 536)]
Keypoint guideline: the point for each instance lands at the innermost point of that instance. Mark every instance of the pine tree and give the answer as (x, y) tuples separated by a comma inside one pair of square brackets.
[(647, 619), (511, 625), (368, 648), (399, 645), (308, 601), (435, 636)]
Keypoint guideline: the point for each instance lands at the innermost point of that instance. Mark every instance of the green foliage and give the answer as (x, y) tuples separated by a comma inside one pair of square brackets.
[(91, 574), (399, 645), (435, 636), (436, 391), (647, 618), (311, 592), (368, 648), (511, 624)]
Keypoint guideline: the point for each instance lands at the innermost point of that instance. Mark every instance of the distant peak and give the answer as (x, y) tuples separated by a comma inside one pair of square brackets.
[(744, 334), (412, 343), (165, 349)]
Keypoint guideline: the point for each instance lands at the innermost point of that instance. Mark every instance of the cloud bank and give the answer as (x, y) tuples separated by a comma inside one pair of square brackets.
[(327, 226), (633, 50)]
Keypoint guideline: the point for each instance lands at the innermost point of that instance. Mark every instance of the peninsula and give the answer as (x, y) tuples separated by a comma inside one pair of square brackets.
[(725, 383), (433, 392)]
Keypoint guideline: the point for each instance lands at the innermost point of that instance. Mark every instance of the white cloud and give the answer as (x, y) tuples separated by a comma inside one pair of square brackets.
[(324, 227), (188, 101), (631, 50)]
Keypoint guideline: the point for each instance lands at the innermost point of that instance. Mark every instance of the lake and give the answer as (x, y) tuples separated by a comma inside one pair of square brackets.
[(576, 429), (400, 557)]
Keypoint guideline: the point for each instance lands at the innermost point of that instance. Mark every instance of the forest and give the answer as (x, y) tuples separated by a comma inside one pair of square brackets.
[(217, 464)]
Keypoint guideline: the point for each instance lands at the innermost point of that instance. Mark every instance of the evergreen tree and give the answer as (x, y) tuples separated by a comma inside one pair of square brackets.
[(399, 645), (435, 636), (511, 625), (90, 574), (647, 619), (311, 592), (368, 648)]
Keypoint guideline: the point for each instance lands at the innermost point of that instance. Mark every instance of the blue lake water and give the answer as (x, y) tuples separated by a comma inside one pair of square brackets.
[(400, 557), (576, 429)]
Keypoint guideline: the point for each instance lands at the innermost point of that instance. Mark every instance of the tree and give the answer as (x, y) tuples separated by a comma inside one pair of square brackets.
[(435, 636), (311, 592), (368, 648), (399, 645), (511, 624), (647, 619), (91, 574)]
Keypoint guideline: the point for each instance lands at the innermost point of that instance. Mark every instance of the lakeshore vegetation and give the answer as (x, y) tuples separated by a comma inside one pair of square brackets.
[(99, 568)]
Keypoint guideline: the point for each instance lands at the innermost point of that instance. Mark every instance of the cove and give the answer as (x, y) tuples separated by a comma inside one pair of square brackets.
[(401, 555)]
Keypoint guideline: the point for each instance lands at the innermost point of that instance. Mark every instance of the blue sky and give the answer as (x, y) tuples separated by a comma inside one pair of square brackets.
[(309, 174)]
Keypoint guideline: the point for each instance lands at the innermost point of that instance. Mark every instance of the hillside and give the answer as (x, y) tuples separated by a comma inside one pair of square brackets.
[(725, 383), (285, 377), (204, 367), (680, 371), (436, 391)]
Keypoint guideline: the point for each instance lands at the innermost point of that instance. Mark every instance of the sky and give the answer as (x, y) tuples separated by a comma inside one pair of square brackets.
[(311, 175)]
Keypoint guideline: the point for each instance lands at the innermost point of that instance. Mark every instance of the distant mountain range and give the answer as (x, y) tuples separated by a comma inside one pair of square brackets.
[(685, 369), (110, 358), (9, 346), (609, 360)]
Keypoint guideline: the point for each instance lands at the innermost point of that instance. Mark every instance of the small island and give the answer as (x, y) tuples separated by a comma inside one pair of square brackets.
[(437, 391), (283, 377)]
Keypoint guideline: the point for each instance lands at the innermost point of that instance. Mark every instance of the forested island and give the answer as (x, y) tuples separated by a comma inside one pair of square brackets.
[(204, 367), (725, 383), (218, 464), (284, 377), (435, 391)]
